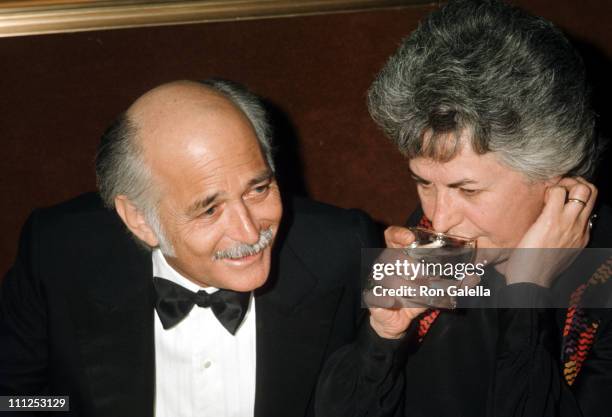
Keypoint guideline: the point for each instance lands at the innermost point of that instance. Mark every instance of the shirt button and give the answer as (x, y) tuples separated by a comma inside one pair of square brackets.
[(207, 364)]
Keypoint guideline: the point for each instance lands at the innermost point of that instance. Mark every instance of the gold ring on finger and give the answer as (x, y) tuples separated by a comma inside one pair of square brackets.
[(577, 200)]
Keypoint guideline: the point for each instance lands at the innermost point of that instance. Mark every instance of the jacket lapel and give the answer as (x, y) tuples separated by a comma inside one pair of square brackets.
[(114, 327), (294, 320)]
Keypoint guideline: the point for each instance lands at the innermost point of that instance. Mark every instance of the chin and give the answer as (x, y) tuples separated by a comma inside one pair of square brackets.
[(245, 285), (486, 243)]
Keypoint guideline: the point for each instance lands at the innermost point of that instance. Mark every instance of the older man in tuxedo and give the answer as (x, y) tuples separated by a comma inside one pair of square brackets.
[(178, 291)]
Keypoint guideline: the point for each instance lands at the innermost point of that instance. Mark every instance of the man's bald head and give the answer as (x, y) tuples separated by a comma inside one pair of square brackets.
[(144, 133), (120, 166), (174, 103)]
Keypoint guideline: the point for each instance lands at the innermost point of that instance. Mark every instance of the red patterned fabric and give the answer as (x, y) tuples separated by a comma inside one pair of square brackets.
[(429, 316), (579, 330), (427, 319)]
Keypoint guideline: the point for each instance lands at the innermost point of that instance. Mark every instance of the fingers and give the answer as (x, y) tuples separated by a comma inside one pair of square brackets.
[(398, 237), (578, 196), (555, 201), (563, 222), (392, 323), (373, 299), (581, 199), (590, 202), (404, 293)]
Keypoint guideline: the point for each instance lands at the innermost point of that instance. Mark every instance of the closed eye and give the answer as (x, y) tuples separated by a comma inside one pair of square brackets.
[(261, 188), (469, 192), (423, 184)]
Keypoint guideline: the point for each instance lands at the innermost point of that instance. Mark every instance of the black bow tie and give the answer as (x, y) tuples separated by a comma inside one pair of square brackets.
[(174, 302)]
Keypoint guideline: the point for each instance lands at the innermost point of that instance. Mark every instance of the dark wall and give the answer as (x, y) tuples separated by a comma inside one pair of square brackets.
[(60, 91), (587, 24)]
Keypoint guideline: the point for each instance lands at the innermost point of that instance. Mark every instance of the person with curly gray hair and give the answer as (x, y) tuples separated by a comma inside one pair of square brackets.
[(491, 107)]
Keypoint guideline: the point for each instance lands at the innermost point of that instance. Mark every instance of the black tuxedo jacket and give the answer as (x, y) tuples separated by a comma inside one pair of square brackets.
[(76, 312)]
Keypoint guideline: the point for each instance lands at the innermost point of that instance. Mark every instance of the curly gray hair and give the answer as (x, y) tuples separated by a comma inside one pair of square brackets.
[(510, 80)]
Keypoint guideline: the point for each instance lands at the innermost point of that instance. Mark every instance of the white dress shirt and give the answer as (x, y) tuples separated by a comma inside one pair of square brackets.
[(202, 370)]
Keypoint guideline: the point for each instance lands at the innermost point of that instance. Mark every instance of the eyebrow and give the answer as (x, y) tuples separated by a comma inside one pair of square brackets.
[(266, 175), (208, 200), (455, 184)]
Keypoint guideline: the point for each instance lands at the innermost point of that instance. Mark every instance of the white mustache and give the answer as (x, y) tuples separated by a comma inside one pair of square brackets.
[(245, 249)]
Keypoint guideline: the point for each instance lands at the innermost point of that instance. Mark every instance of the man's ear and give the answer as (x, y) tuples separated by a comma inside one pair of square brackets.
[(135, 220)]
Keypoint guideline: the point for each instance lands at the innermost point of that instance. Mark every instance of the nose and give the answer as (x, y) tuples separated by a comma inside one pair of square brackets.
[(242, 225), (446, 211)]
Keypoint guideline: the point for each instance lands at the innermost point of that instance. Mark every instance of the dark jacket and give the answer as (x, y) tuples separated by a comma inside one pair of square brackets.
[(76, 312)]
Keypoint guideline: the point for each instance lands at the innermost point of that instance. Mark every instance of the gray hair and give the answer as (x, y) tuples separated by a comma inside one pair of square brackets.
[(252, 108), (510, 80), (121, 168)]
